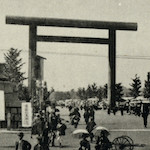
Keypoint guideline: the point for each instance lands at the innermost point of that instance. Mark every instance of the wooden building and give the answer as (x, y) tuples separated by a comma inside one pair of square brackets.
[(12, 104)]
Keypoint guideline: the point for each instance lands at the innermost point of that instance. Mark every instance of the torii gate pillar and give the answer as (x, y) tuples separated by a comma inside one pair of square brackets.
[(112, 27), (32, 56), (112, 68)]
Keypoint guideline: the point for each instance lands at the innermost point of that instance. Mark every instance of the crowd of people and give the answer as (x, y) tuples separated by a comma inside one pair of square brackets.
[(140, 109), (102, 142), (49, 126)]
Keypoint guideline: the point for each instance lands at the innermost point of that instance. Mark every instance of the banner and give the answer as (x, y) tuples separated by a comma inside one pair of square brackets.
[(39, 65), (26, 114), (2, 104)]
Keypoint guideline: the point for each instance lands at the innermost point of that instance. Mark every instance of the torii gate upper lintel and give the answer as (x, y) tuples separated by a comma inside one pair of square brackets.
[(111, 41)]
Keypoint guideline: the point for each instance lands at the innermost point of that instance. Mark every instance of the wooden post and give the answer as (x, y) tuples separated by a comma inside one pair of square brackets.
[(112, 68), (32, 56), (8, 121)]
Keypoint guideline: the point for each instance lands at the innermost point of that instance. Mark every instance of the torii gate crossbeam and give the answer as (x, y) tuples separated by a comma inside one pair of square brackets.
[(112, 27)]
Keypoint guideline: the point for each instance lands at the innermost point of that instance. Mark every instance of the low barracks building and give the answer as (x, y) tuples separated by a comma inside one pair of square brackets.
[(12, 106)]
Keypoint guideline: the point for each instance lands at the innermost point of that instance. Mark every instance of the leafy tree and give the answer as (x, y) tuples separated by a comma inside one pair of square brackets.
[(100, 93), (73, 94), (67, 95), (24, 93), (119, 91), (13, 66), (136, 85), (105, 91), (94, 90), (46, 93), (89, 92), (52, 90), (81, 93), (126, 92), (147, 89)]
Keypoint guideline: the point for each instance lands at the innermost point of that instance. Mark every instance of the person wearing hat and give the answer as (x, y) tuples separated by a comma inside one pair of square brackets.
[(84, 143), (145, 113), (61, 127), (102, 142), (22, 144), (90, 126)]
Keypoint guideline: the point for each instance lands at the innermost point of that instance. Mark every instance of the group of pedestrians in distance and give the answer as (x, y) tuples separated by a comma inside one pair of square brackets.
[(141, 109)]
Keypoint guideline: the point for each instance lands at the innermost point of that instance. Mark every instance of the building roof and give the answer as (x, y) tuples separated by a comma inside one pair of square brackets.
[(2, 77)]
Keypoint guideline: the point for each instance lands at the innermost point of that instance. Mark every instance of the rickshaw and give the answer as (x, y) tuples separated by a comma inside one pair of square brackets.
[(124, 142)]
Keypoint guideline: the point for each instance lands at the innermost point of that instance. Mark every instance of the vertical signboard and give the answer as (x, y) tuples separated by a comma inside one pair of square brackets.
[(2, 104), (39, 65), (26, 114)]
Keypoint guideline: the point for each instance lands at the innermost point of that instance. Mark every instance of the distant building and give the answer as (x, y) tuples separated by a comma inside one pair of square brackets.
[(12, 104)]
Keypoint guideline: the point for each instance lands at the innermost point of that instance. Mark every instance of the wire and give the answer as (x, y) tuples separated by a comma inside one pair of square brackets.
[(91, 55)]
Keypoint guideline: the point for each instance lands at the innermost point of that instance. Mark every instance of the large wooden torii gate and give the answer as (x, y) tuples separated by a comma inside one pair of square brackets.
[(112, 27)]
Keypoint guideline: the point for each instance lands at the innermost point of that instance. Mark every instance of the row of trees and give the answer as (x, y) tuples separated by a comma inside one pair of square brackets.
[(13, 72)]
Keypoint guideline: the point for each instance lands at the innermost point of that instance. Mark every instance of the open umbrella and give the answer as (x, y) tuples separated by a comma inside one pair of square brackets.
[(78, 133), (100, 129)]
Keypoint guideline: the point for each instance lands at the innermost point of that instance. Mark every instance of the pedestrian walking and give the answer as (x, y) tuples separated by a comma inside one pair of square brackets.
[(102, 142), (61, 128), (22, 144), (92, 112), (86, 116), (90, 126), (145, 113), (39, 145), (45, 137), (108, 110), (53, 127), (121, 109), (84, 143)]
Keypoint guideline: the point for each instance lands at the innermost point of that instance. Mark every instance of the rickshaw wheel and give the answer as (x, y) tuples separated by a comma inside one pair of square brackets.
[(122, 143), (130, 140)]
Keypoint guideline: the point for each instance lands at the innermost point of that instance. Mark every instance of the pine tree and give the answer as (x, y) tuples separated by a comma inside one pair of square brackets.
[(12, 71), (136, 85), (100, 93), (13, 66), (94, 90), (147, 89), (81, 93)]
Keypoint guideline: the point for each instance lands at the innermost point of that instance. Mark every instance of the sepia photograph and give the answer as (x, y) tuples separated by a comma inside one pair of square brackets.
[(74, 74)]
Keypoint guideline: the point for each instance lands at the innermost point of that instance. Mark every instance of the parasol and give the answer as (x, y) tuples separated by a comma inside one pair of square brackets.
[(79, 133), (100, 129)]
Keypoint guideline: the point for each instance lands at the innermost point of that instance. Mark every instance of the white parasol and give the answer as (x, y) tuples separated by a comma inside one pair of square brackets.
[(78, 133)]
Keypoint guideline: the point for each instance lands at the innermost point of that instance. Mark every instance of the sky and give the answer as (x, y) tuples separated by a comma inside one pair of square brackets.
[(70, 66)]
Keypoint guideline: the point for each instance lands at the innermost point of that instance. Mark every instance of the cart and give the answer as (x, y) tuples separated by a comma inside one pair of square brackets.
[(124, 143)]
